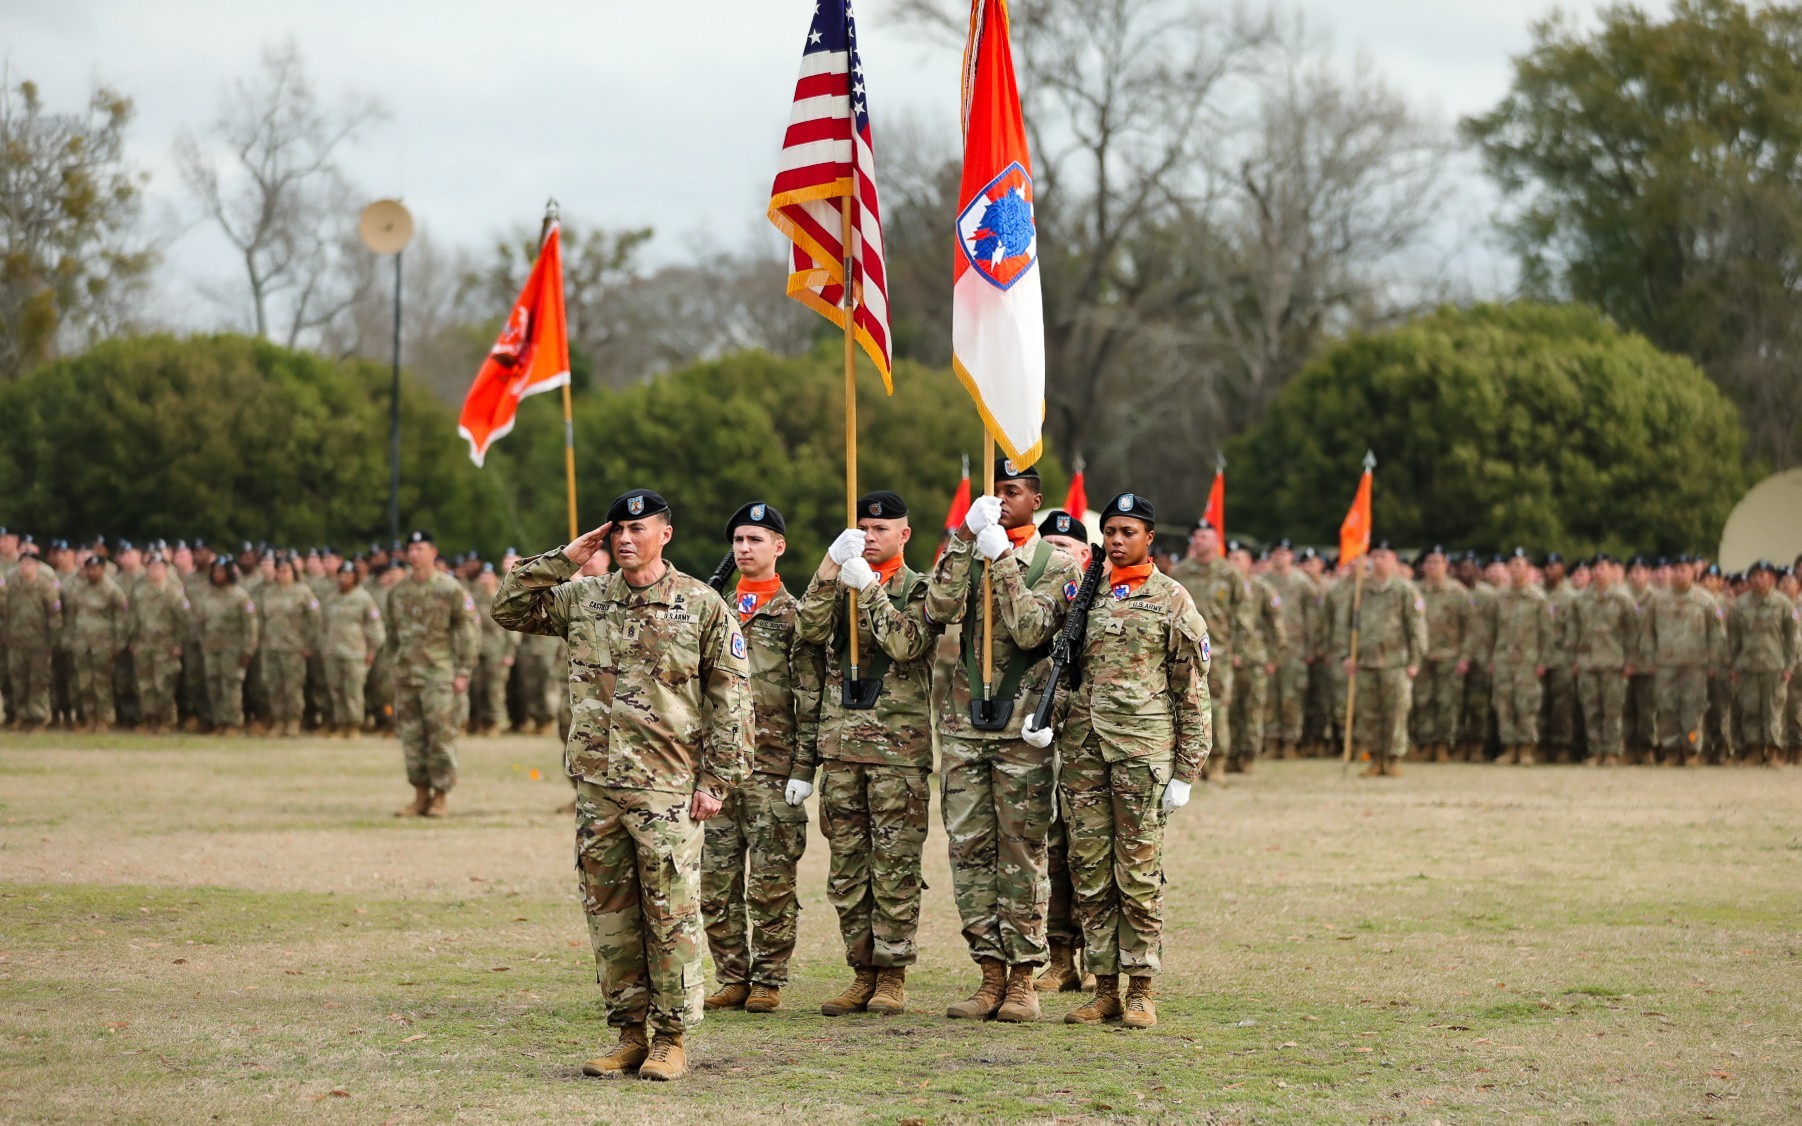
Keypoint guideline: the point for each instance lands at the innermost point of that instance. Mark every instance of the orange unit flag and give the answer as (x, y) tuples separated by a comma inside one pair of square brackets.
[(532, 354), (1354, 533), (1076, 501), (1215, 513), (960, 501)]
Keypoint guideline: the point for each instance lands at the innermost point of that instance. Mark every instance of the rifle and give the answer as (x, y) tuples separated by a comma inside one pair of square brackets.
[(1067, 646), (723, 572)]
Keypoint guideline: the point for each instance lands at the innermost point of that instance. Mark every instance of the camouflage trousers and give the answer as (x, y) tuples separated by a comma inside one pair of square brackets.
[(1640, 722), (1476, 725), (425, 717), (1517, 693), (62, 684), (1288, 701), (1682, 703), (1760, 696), (318, 693), (1381, 723), (1438, 700), (125, 688), (378, 689), (638, 858), (488, 693), (1604, 693), (1251, 695), (28, 677), (748, 882), (995, 796), (158, 672), (344, 683), (256, 688), (1060, 910), (225, 689), (1792, 725), (874, 818), (285, 682), (1220, 696), (1321, 720), (94, 683), (193, 683), (1720, 714), (1116, 821), (1558, 715), (535, 685)]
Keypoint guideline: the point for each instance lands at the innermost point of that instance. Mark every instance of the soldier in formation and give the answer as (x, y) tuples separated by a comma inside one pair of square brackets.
[(434, 637)]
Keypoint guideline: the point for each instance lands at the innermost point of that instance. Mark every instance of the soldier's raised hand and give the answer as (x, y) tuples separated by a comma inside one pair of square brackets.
[(581, 549)]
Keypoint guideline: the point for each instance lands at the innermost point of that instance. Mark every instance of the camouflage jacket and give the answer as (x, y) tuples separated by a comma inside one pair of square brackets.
[(1392, 626), (1144, 690), (1027, 619), (228, 620), (898, 730), (533, 647), (1479, 635), (290, 618), (1762, 633), (786, 678), (1559, 602), (432, 629), (97, 615), (195, 583), (1685, 630), (1268, 639), (1642, 601), (1301, 612), (1223, 598), (658, 678), (497, 644), (1448, 611), (1601, 631), (159, 615), (350, 624), (34, 613), (1521, 624)]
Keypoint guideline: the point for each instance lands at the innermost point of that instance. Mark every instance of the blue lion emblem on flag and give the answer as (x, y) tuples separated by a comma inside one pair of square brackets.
[(997, 230)]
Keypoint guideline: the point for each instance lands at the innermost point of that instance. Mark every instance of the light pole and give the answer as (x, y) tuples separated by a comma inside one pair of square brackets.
[(386, 228)]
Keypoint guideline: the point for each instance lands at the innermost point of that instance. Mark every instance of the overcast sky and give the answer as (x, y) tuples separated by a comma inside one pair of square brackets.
[(630, 112)]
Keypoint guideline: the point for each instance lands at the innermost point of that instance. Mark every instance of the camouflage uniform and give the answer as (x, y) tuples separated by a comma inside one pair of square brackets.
[(159, 626), (1140, 718), (662, 707), (500, 651), (1299, 601), (1477, 726), (1392, 638), (434, 637), (62, 659), (1521, 624), (99, 626), (1640, 726), (1684, 637), (350, 632), (290, 630), (378, 685), (33, 621), (318, 691), (535, 666), (748, 884), (1558, 730), (1602, 635), (995, 789), (1223, 598), (1762, 641), (873, 789), (1265, 643), (1439, 689), (194, 706), (229, 632), (1324, 674)]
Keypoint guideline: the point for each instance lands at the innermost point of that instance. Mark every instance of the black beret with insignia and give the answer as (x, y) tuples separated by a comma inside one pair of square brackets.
[(1639, 561), (881, 505), (348, 567), (1006, 470), (94, 561), (636, 505), (1306, 554), (1130, 504), (758, 515), (1550, 558), (1284, 544), (1762, 565), (1381, 545), (421, 536), (1714, 571), (1057, 522)]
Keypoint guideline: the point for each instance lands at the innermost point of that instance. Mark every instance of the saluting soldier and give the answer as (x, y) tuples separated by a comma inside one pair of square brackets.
[(1602, 635), (995, 787), (1298, 599), (99, 628), (32, 624), (749, 897), (1134, 741), (1762, 641), (875, 747), (1685, 636), (661, 735), (1392, 642), (434, 637), (1439, 689), (1223, 598), (159, 626), (351, 634)]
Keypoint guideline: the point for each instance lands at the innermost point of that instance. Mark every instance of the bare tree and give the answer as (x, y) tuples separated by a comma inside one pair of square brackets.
[(267, 173)]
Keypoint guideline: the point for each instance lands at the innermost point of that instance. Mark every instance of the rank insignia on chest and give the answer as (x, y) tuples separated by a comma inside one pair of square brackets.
[(747, 603), (738, 646), (1121, 590)]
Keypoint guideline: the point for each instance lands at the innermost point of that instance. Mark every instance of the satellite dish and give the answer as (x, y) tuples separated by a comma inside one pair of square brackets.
[(386, 227), (1766, 524)]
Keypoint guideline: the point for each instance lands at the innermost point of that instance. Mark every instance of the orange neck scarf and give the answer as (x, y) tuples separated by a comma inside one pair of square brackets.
[(752, 595), (1019, 536), (886, 571), (1123, 581)]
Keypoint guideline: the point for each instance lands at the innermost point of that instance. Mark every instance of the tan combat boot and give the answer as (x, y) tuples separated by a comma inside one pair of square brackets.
[(856, 997), (728, 997), (668, 1059), (1060, 974), (1375, 769), (763, 998), (439, 805), (891, 991), (1529, 754), (1105, 1005), (1392, 767), (626, 1055), (981, 1005), (422, 797), (1020, 1004), (1140, 1011)]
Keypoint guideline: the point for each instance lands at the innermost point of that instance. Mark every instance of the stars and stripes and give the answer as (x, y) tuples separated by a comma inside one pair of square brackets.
[(828, 164)]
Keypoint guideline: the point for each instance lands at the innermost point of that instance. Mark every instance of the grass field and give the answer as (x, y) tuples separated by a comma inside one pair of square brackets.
[(193, 930)]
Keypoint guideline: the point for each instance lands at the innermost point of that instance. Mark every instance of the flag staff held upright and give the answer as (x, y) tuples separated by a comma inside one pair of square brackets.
[(1354, 539), (850, 301), (569, 414)]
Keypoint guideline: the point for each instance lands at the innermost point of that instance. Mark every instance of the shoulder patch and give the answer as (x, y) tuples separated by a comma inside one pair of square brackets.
[(738, 646), (1420, 604), (374, 614), (1070, 589), (312, 604), (249, 606), (469, 604), (1276, 602)]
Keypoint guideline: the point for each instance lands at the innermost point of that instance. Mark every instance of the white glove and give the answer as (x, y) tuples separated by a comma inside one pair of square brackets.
[(992, 541), (797, 792), (1176, 795), (857, 574), (1036, 736), (848, 546), (985, 512)]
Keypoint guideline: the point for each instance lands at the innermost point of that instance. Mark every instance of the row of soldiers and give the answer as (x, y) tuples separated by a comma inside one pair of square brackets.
[(1517, 659)]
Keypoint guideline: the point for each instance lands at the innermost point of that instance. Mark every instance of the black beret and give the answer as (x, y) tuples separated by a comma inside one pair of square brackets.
[(246, 547), (420, 535), (1006, 470), (635, 505), (1494, 559), (1550, 558), (1521, 553), (1602, 557), (1639, 561), (1234, 545), (198, 542), (123, 545), (1204, 522), (154, 557), (97, 561), (1134, 505), (881, 505), (513, 551), (1664, 561), (1057, 522), (1762, 565), (1381, 545), (1284, 544), (487, 568), (1714, 571), (1307, 553), (758, 515), (26, 540), (347, 568), (1436, 549)]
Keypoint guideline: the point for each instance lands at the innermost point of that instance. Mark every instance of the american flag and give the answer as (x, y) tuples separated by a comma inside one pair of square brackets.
[(828, 164)]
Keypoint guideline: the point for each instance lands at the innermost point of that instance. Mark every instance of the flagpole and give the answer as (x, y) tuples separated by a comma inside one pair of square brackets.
[(569, 414), (988, 582), (850, 308), (1351, 674)]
